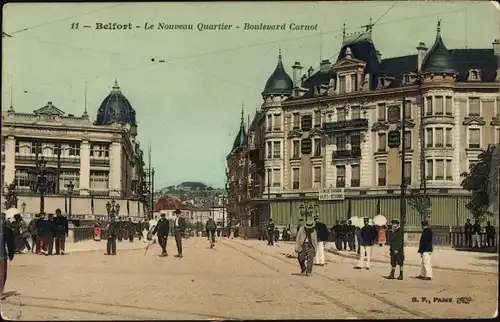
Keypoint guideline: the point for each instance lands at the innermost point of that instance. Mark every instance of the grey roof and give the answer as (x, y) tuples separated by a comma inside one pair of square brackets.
[(438, 59), (115, 109), (279, 82)]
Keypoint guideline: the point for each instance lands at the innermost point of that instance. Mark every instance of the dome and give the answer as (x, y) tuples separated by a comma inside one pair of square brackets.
[(438, 59), (279, 82), (116, 109)]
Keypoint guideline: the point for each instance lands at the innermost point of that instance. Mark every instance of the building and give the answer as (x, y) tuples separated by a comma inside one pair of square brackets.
[(102, 158), (333, 136), (168, 204)]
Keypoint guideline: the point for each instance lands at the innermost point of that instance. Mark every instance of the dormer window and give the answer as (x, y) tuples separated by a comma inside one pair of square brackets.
[(342, 84), (354, 83), (474, 75), (406, 79)]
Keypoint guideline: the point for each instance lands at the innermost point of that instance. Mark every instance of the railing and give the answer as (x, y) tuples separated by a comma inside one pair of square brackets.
[(50, 158), (99, 161), (344, 154)]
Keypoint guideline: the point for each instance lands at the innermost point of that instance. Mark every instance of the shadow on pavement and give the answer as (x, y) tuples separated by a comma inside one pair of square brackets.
[(490, 250), (489, 258)]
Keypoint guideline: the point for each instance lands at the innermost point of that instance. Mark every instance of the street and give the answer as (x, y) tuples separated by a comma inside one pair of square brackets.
[(238, 279)]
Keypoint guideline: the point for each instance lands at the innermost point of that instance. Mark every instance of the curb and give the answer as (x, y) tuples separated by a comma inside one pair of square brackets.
[(338, 253)]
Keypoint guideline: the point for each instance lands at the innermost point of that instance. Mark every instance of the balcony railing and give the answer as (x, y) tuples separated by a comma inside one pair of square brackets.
[(99, 161), (347, 125), (381, 181), (355, 182), (353, 153), (50, 158), (340, 183)]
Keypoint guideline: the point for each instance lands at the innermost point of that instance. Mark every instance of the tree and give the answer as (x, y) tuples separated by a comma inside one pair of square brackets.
[(420, 203), (482, 182)]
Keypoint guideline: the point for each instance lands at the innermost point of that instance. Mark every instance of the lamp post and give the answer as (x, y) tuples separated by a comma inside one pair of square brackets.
[(42, 181), (112, 208), (70, 186)]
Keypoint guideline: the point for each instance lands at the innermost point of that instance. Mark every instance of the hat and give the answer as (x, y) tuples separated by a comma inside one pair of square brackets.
[(366, 219), (394, 221), (310, 223), (177, 211)]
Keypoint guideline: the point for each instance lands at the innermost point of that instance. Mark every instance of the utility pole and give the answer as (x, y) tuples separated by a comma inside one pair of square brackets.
[(223, 212), (402, 199), (152, 189)]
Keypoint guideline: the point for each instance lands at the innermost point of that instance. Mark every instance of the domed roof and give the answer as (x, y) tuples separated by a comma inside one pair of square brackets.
[(279, 82), (115, 109), (438, 59), (241, 138)]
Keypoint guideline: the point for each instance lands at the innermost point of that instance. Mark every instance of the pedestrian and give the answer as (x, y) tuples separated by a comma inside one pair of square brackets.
[(336, 232), (35, 241), (61, 232), (210, 228), (322, 238), (162, 229), (276, 234), (7, 250), (300, 224), (270, 232), (468, 233), (425, 250), (396, 250), (130, 230), (490, 234), (368, 236), (306, 246), (381, 235), (179, 228), (351, 236), (112, 232), (476, 234), (343, 234), (357, 232), (120, 230), (21, 233), (39, 228), (97, 231), (47, 231)]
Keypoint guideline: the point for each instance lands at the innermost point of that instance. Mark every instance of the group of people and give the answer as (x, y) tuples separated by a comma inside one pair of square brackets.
[(473, 233), (125, 230)]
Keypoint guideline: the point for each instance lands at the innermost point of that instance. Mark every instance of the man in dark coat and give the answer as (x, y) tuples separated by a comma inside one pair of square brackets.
[(336, 232), (120, 230), (343, 234), (351, 236), (179, 228), (210, 228), (322, 238), (35, 240), (112, 232), (468, 233), (130, 230), (490, 234), (7, 250), (61, 231), (162, 229), (368, 236), (270, 232), (47, 231), (425, 249), (396, 250), (476, 234)]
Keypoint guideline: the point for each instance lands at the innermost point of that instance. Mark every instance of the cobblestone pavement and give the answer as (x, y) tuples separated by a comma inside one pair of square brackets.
[(236, 280)]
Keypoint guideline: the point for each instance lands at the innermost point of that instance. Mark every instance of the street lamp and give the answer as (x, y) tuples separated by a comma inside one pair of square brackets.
[(42, 181), (112, 208), (70, 186)]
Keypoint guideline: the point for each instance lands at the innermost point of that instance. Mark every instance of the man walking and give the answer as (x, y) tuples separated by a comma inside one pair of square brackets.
[(351, 236), (396, 250), (476, 234), (368, 236), (322, 237), (490, 234), (61, 231), (35, 240), (270, 232), (162, 229), (336, 232), (468, 233), (47, 231), (7, 250), (112, 232), (306, 246), (425, 250), (179, 228), (210, 228)]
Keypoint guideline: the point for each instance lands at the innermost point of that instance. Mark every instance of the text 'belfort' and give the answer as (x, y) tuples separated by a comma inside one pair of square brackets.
[(202, 26)]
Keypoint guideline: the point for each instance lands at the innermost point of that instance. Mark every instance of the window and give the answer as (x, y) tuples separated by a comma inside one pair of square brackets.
[(429, 142), (65, 177), (99, 150), (99, 180), (429, 170), (382, 173), (407, 140), (317, 174), (295, 178), (340, 176), (355, 112), (36, 148), (474, 106), (428, 108), (21, 179), (355, 141), (341, 142), (277, 122), (269, 122), (394, 114), (17, 148), (342, 85), (355, 175), (276, 150), (382, 141), (269, 150), (317, 118), (439, 138), (340, 114), (438, 100), (474, 139), (276, 177), (449, 105), (381, 112), (306, 123), (408, 171), (439, 169), (74, 149), (408, 110), (449, 137), (296, 120), (449, 170), (354, 82), (296, 149), (317, 147)]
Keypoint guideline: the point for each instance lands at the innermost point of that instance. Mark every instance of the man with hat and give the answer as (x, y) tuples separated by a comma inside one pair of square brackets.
[(368, 236), (61, 231), (162, 229), (7, 250), (305, 246), (35, 240), (425, 249), (179, 228), (111, 232), (322, 238), (396, 250), (47, 231), (270, 232)]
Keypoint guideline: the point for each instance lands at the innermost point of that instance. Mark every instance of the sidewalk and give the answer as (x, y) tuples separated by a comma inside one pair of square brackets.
[(92, 245)]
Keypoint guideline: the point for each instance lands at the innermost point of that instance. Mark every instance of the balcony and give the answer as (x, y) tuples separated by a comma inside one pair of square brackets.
[(347, 126), (353, 153), (99, 162), (51, 158), (355, 182)]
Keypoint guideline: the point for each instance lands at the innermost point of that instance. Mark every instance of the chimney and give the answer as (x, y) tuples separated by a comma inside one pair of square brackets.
[(303, 80), (297, 73), (310, 71), (421, 51), (379, 56), (496, 47), (325, 66)]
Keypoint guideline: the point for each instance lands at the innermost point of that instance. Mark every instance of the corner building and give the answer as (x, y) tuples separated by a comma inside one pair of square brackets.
[(331, 129)]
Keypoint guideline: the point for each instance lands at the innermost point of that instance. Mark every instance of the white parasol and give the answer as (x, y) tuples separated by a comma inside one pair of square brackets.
[(10, 213), (356, 221), (379, 220)]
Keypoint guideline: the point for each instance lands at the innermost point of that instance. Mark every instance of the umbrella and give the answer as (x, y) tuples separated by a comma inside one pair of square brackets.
[(10, 213), (380, 220)]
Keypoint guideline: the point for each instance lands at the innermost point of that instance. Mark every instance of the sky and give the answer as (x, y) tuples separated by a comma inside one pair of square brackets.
[(188, 108)]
